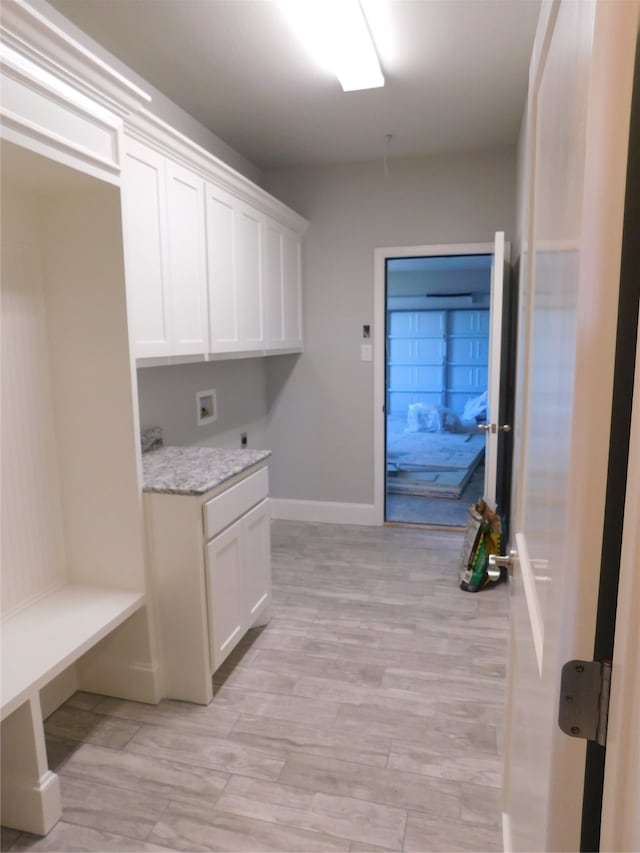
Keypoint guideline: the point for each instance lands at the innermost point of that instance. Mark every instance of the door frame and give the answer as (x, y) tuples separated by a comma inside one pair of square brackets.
[(381, 255), (621, 789)]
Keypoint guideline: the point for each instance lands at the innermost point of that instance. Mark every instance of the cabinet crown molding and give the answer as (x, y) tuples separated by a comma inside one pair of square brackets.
[(147, 128), (39, 40)]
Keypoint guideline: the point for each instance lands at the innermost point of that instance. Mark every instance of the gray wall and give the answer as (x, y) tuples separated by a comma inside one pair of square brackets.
[(321, 403), (167, 397)]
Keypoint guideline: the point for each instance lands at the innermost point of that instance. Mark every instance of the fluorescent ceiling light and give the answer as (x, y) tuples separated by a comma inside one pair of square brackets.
[(336, 34)]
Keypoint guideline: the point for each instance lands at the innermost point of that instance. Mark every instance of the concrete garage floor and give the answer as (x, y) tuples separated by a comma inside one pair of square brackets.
[(411, 509)]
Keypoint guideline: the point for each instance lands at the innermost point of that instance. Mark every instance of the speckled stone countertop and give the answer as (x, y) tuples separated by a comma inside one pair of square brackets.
[(194, 470)]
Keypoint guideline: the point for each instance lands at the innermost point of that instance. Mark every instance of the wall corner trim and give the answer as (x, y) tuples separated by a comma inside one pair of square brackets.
[(328, 512)]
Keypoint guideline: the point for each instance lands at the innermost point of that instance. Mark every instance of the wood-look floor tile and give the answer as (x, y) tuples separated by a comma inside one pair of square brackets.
[(109, 809), (284, 640), (299, 610), (187, 828), (220, 754), (210, 721), (376, 690), (145, 773), (255, 679), (344, 817), (70, 837), (426, 833), (84, 700), (418, 660), (293, 708), (77, 724), (59, 751), (449, 685), (330, 625), (328, 688), (8, 837), (480, 804), (387, 787), (459, 766), (328, 630), (288, 737), (343, 669), (491, 713), (399, 701), (435, 733)]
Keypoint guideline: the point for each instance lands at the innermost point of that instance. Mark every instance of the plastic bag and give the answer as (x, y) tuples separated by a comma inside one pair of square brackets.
[(487, 541)]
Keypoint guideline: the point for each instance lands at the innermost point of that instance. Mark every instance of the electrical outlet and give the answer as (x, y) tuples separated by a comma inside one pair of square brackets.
[(243, 439)]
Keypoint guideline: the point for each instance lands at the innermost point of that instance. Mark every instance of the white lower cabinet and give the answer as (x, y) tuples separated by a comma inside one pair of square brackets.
[(210, 566), (256, 535), (224, 592), (238, 580)]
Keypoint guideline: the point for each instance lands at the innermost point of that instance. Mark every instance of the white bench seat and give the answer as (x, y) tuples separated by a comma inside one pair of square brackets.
[(49, 635), (38, 643)]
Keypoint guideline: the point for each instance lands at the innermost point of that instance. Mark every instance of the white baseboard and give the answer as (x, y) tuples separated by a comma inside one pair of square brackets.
[(31, 805), (507, 841), (136, 681), (328, 512)]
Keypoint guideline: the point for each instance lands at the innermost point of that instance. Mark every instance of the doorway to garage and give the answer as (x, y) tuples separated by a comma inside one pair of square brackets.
[(436, 373)]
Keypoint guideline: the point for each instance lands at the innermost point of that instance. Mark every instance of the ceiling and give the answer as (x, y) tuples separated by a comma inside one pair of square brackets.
[(456, 74)]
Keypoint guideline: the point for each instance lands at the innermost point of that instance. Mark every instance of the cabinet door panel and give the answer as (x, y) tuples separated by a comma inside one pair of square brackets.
[(257, 561), (273, 284), (292, 265), (144, 225), (248, 262), (187, 261), (223, 298), (225, 593)]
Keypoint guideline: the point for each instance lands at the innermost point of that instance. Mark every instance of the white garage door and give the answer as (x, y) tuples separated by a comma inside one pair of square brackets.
[(436, 357)]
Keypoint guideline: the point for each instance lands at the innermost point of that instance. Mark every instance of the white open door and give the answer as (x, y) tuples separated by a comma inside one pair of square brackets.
[(494, 429), (576, 152)]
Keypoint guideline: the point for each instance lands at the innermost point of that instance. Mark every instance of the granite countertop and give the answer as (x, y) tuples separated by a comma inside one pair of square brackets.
[(194, 470)]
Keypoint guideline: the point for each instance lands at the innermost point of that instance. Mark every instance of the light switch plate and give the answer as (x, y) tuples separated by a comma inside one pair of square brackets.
[(366, 352)]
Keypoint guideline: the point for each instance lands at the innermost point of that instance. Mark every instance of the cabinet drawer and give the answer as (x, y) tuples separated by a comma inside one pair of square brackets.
[(224, 509)]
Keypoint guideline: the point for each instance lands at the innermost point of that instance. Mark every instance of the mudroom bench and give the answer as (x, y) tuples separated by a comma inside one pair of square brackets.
[(39, 642)]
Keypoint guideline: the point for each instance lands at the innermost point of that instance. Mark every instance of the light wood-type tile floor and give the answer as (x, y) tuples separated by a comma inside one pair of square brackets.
[(366, 716)]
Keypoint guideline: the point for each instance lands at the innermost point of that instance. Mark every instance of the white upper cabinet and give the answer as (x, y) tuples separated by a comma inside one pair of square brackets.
[(236, 300), (212, 261), (282, 283), (248, 264), (273, 282), (223, 296), (187, 260), (255, 298), (165, 254), (145, 245), (292, 289)]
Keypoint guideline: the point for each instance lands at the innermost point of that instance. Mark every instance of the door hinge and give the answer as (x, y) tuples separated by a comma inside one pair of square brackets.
[(584, 699)]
